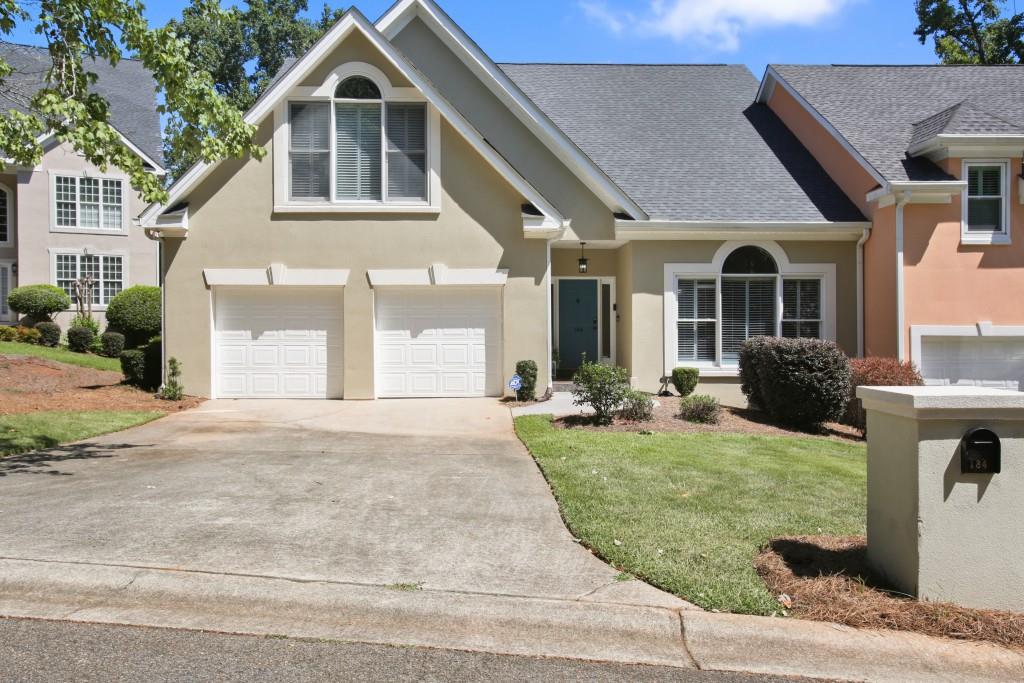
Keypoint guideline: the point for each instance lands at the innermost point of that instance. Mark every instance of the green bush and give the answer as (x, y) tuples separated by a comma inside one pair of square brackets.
[(86, 321), (112, 344), (750, 383), (802, 382), (133, 366), (8, 334), (135, 313), (172, 390), (637, 407), (527, 370), (876, 372), (38, 302), (80, 339), (700, 408), (153, 376), (49, 334), (685, 380), (602, 387), (27, 335)]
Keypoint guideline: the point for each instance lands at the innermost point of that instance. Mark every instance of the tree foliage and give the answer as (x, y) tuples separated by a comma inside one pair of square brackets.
[(242, 50), (971, 31), (79, 33)]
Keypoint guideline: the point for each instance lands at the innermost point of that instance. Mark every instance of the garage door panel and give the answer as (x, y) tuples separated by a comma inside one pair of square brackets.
[(995, 362)]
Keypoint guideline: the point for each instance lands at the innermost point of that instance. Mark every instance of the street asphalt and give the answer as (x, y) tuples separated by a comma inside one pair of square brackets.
[(53, 651)]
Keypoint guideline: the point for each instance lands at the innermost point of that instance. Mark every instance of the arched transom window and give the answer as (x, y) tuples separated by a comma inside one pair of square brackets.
[(358, 146), (749, 296)]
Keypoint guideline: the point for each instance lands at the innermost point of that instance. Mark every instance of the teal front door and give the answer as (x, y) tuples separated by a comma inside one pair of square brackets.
[(577, 322)]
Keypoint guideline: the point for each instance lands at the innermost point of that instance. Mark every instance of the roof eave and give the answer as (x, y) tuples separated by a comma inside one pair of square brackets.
[(699, 230)]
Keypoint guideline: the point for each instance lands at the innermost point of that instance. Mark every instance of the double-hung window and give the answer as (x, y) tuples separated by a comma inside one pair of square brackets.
[(358, 148), (986, 212), (5, 215), (717, 313), (106, 271), (87, 203)]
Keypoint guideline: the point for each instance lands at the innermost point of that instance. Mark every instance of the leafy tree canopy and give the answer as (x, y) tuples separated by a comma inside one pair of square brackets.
[(971, 31), (78, 33), (242, 51)]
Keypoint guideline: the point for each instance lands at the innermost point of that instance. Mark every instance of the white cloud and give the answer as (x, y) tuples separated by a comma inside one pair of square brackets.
[(712, 23)]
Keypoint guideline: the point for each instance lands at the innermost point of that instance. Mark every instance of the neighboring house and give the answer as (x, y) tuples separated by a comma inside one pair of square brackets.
[(65, 218), (425, 218)]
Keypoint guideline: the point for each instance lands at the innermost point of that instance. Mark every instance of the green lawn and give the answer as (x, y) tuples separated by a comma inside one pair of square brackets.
[(690, 511), (61, 355), (21, 433)]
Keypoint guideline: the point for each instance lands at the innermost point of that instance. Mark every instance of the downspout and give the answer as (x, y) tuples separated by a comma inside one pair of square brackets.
[(901, 313), (860, 291), (549, 296)]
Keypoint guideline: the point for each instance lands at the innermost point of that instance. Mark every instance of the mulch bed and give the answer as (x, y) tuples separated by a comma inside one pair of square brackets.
[(826, 578), (29, 384), (733, 421)]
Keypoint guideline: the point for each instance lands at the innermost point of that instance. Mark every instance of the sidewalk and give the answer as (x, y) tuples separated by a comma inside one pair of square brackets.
[(610, 630)]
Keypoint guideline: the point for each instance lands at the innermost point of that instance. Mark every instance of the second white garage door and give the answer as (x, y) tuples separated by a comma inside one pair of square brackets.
[(996, 362), (435, 342)]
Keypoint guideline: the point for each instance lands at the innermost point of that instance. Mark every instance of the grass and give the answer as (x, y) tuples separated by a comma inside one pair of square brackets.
[(32, 431), (689, 512), (61, 355)]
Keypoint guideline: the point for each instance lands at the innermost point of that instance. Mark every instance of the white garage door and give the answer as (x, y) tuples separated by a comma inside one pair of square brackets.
[(977, 361), (278, 342), (438, 342)]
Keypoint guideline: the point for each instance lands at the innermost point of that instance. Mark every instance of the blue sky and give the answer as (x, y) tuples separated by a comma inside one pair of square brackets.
[(751, 32)]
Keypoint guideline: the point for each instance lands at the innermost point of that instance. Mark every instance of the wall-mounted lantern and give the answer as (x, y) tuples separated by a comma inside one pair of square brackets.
[(584, 264)]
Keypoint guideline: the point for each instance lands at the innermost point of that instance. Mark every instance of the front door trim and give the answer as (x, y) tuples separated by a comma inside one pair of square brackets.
[(606, 355), (10, 316)]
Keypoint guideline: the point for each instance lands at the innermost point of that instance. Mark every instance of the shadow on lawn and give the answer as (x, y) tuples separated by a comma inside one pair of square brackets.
[(44, 461)]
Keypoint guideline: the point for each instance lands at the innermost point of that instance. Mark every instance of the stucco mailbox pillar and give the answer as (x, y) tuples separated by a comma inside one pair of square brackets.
[(942, 524)]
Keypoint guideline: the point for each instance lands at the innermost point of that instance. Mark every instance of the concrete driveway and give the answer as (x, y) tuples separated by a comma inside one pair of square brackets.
[(434, 494)]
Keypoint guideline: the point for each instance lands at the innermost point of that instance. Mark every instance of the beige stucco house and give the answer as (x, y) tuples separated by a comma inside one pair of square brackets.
[(425, 218), (65, 218)]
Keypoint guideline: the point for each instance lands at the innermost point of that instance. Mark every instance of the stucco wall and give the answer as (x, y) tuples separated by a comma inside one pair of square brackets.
[(880, 321), (36, 239)]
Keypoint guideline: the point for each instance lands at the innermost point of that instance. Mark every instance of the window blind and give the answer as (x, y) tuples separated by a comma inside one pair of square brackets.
[(407, 151), (5, 289), (696, 325), (985, 198), (748, 310), (309, 152), (358, 145), (801, 308), (4, 216)]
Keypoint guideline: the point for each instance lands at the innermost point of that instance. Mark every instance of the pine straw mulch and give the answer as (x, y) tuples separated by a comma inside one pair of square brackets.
[(733, 421), (29, 384), (826, 578)]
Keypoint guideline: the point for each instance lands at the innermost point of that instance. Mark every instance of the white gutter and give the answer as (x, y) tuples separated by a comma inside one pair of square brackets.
[(920, 187), (901, 201), (860, 291)]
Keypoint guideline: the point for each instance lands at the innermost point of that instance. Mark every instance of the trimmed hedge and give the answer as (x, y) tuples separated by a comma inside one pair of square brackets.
[(750, 383), (700, 408), (49, 334), (685, 380), (135, 313), (527, 370), (38, 302), (112, 344), (142, 367), (80, 339), (876, 372), (27, 335), (799, 382), (133, 366)]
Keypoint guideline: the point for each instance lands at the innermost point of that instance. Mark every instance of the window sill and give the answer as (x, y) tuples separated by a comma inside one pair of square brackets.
[(972, 239), (89, 231), (357, 208)]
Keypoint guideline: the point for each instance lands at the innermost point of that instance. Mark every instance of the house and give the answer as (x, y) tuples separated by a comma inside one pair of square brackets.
[(65, 218), (425, 218)]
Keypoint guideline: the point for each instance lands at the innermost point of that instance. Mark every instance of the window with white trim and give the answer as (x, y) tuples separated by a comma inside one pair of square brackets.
[(5, 215), (358, 148), (749, 298), (986, 205), (107, 272), (87, 203)]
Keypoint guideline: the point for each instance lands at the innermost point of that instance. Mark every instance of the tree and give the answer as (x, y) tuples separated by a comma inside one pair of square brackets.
[(971, 31), (81, 32), (242, 51)]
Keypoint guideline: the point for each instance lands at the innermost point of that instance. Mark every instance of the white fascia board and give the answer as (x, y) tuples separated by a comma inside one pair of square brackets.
[(765, 89), (950, 144), (505, 89), (700, 230), (352, 21), (941, 188)]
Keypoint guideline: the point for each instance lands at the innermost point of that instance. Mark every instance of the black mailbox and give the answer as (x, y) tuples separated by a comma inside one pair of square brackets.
[(980, 452)]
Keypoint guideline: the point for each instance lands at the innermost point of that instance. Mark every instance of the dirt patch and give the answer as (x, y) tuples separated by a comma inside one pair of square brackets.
[(733, 421), (828, 579), (29, 384)]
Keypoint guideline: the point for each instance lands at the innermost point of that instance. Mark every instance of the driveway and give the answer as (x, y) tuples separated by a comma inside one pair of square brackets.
[(436, 494)]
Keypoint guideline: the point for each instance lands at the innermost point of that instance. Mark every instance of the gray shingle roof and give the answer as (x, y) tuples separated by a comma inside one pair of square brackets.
[(686, 142), (875, 107), (129, 88)]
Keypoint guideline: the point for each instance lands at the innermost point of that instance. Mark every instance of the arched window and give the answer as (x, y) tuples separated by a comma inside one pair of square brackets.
[(750, 261), (357, 88), (749, 282)]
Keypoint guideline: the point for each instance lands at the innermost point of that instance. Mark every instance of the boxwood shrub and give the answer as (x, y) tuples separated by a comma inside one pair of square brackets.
[(685, 380), (142, 368), (135, 313), (750, 383), (49, 334), (133, 366), (700, 408), (38, 302), (80, 339), (112, 344), (527, 370)]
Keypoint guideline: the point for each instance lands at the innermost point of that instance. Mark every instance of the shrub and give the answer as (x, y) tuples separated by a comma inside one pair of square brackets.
[(602, 387), (700, 408), (685, 380), (637, 407), (802, 382), (152, 376), (28, 335), (86, 321), (38, 302), (527, 369), (80, 339), (876, 372), (133, 366), (172, 390), (49, 333), (750, 383), (135, 313), (112, 344), (8, 334)]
